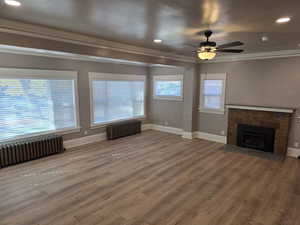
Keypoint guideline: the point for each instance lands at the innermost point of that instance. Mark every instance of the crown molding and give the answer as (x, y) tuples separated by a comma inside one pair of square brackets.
[(65, 55), (255, 56), (72, 56), (163, 66), (37, 31)]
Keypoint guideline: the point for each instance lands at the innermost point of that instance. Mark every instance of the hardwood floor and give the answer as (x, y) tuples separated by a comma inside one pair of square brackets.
[(153, 178)]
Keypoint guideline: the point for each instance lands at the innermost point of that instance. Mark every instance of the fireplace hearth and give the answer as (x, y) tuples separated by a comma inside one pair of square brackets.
[(256, 137)]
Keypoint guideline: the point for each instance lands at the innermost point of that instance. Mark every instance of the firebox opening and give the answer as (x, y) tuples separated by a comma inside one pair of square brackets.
[(256, 137)]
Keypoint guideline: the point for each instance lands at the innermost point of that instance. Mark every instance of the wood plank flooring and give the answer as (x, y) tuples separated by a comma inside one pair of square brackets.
[(153, 178)]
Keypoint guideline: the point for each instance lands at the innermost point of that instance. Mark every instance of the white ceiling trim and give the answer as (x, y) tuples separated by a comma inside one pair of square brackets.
[(64, 55), (37, 31), (255, 56), (71, 56)]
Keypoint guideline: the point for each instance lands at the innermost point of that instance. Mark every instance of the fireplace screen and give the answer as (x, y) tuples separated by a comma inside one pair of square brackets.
[(260, 138)]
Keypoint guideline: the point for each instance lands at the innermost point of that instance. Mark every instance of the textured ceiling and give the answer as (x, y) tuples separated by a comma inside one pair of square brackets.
[(176, 22)]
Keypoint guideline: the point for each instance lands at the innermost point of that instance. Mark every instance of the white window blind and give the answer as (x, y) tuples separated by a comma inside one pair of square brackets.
[(36, 101), (168, 87), (212, 95), (116, 97)]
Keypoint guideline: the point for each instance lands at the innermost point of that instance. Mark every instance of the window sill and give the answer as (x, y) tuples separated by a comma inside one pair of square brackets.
[(103, 125), (168, 99), (58, 132), (69, 131), (220, 112)]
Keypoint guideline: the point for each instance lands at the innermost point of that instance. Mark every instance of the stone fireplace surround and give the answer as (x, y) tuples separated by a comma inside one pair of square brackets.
[(277, 118)]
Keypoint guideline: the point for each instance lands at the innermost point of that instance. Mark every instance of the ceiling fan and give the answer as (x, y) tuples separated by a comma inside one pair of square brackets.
[(208, 49)]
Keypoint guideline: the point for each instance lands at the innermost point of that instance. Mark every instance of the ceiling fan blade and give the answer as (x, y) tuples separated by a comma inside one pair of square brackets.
[(230, 50), (231, 44)]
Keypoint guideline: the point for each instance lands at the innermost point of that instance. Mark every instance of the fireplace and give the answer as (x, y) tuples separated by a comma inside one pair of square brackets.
[(256, 137), (261, 128)]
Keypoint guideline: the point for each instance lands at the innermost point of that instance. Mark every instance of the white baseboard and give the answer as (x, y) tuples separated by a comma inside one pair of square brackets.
[(188, 135), (293, 152), (84, 140), (211, 137), (172, 130), (147, 126)]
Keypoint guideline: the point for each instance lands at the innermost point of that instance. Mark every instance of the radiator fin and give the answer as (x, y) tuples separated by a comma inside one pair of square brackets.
[(22, 151)]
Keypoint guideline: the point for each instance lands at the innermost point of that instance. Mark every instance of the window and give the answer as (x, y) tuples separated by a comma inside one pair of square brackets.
[(212, 93), (168, 87), (37, 101), (116, 97)]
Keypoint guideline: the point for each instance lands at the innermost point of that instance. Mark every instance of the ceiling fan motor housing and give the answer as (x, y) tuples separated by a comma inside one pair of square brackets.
[(208, 33), (208, 44)]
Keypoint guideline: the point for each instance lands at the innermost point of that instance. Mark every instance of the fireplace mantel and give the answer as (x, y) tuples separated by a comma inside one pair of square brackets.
[(261, 108)]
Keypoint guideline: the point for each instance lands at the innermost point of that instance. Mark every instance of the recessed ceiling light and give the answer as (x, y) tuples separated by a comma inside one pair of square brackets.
[(264, 38), (12, 3), (157, 41), (283, 20)]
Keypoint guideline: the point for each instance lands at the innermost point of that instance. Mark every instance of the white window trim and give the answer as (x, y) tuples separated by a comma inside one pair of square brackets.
[(167, 78), (113, 77), (212, 76), (17, 73)]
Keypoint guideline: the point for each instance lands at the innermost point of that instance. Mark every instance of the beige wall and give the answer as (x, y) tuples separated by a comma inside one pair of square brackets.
[(165, 112), (268, 82), (178, 114), (83, 67)]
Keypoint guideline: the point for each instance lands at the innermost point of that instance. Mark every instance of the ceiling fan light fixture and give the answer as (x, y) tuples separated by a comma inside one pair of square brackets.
[(264, 38), (283, 20), (206, 55), (157, 41), (208, 50)]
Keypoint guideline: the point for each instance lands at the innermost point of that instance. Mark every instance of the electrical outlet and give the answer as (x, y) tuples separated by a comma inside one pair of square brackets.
[(296, 144), (85, 132)]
